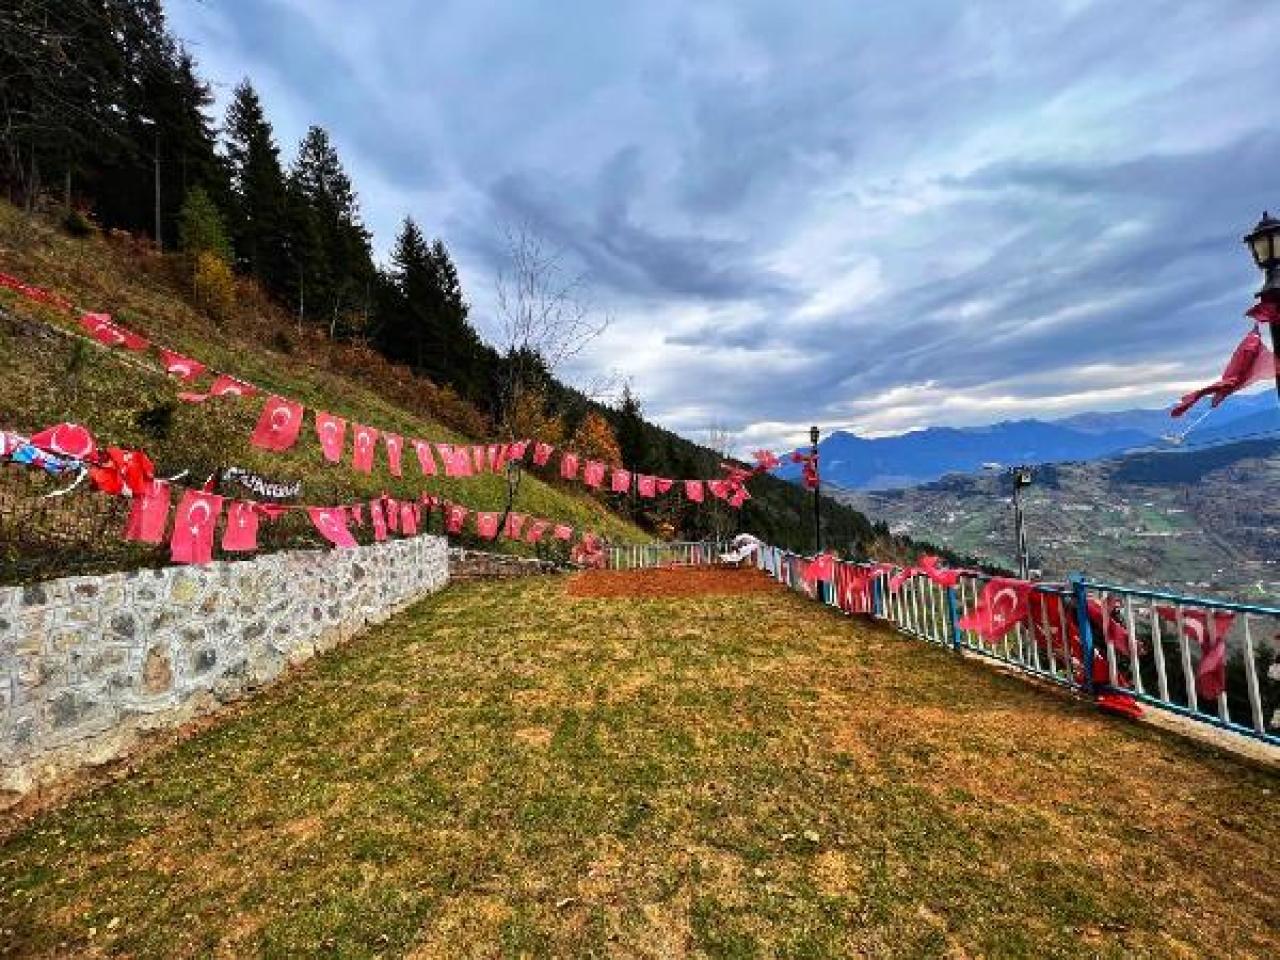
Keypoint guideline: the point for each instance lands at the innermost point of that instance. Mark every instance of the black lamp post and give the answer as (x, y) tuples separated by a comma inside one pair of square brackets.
[(817, 483), (1022, 477), (1264, 244), (513, 486)]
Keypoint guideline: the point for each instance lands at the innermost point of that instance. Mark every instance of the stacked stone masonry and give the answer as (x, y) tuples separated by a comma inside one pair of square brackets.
[(87, 663)]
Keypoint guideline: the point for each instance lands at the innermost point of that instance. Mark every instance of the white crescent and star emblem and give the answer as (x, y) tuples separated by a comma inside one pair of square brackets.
[(205, 513)]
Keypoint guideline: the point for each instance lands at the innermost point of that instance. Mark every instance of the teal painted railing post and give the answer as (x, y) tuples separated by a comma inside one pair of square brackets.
[(953, 614), (877, 599), (1081, 596)]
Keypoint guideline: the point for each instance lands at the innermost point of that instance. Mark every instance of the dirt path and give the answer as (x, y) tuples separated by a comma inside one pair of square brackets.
[(511, 770)]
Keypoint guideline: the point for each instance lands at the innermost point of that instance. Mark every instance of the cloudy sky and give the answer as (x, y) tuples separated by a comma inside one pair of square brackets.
[(875, 215)]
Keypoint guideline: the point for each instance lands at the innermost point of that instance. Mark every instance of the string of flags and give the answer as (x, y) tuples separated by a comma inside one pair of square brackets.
[(280, 423), (70, 449), (1049, 616)]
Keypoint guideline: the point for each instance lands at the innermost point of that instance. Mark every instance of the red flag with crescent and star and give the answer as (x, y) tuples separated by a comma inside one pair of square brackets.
[(331, 522), (176, 365), (332, 433), (241, 531), (395, 450), (1211, 671), (149, 514), (366, 439), (425, 460), (223, 386), (278, 426), (193, 527), (693, 491), (1002, 604), (620, 482)]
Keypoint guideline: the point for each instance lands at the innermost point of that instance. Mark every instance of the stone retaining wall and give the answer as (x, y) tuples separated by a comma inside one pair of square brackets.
[(86, 663)]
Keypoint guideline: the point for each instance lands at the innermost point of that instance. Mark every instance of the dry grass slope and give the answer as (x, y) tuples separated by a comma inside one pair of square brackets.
[(506, 770), (46, 378)]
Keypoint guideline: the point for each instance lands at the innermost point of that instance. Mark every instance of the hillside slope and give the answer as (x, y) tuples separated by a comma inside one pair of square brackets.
[(1200, 521), (48, 373)]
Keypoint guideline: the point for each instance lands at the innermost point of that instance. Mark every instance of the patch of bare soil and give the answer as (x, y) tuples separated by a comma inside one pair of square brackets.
[(670, 582)]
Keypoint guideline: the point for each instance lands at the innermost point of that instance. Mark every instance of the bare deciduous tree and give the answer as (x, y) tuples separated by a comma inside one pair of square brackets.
[(545, 312)]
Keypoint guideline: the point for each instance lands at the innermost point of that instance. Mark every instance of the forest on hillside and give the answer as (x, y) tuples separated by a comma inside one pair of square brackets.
[(107, 125)]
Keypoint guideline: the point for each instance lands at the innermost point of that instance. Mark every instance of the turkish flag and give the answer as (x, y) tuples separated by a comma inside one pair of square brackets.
[(457, 460), (1264, 312), (942, 576), (362, 454), (332, 432), (542, 453), (176, 365), (357, 514), (408, 520), (102, 328), (395, 448), (223, 386), (1211, 671), (66, 440), (1001, 606), (391, 510), (663, 484), (693, 491), (241, 530), (425, 460), (1250, 362), (487, 524), (646, 485), (378, 519), (516, 450), (593, 474), (515, 523), (279, 425), (497, 455), (562, 531), (821, 567), (621, 481), (455, 515), (193, 527), (332, 524), (535, 531), (738, 497), (568, 465), (718, 488), (149, 514), (853, 586), (478, 454), (765, 461)]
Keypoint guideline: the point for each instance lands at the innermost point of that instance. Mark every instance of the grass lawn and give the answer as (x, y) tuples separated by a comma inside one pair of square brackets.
[(506, 770)]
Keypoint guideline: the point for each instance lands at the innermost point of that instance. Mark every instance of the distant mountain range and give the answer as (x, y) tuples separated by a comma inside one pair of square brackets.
[(1199, 521), (922, 456)]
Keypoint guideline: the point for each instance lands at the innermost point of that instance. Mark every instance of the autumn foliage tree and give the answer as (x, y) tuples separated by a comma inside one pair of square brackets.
[(594, 440)]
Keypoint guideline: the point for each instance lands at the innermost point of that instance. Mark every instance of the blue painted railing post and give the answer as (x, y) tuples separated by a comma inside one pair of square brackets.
[(876, 600), (1081, 596), (953, 614)]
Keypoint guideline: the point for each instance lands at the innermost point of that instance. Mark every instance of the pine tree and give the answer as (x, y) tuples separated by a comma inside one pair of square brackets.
[(258, 213), (200, 226), (341, 272), (631, 433)]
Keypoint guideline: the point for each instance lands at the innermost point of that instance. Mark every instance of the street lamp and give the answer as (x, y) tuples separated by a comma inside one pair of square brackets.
[(1264, 244), (1022, 477), (513, 486), (817, 483)]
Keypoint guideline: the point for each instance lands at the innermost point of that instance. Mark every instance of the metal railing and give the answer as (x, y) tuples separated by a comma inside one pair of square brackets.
[(644, 556), (1214, 661)]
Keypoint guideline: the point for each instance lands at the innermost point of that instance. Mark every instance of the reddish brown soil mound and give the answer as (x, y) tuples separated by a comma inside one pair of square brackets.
[(670, 582)]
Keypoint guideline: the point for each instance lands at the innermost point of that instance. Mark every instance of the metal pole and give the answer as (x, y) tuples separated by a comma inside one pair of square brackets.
[(1275, 348), (817, 492)]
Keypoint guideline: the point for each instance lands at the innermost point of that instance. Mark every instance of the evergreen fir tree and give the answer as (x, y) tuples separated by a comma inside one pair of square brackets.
[(258, 210)]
